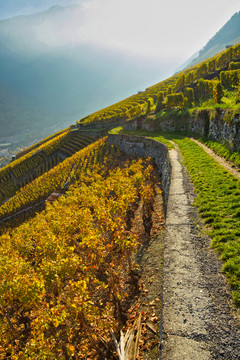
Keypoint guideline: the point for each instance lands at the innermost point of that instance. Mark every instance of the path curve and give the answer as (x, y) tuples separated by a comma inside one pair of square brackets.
[(226, 164), (197, 319)]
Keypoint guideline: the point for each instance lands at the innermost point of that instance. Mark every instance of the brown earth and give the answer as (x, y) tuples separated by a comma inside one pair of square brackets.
[(149, 259)]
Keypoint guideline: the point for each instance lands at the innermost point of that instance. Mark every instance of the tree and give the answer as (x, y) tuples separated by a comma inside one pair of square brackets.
[(218, 92), (175, 100), (160, 104), (189, 94), (230, 78), (169, 90), (201, 70), (180, 83), (189, 78), (238, 95), (151, 105)]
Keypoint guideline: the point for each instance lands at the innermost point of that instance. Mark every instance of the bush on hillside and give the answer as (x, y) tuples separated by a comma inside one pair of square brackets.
[(234, 65), (233, 53), (201, 70), (160, 103), (230, 78), (151, 105), (211, 65), (217, 92), (238, 95), (205, 89), (175, 100), (189, 78), (189, 94), (180, 83)]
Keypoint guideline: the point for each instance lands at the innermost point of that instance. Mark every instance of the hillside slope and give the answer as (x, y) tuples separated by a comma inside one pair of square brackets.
[(229, 34), (74, 279), (71, 225), (211, 84)]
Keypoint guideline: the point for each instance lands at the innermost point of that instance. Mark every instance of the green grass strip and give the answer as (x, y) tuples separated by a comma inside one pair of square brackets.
[(222, 150), (157, 135), (218, 201)]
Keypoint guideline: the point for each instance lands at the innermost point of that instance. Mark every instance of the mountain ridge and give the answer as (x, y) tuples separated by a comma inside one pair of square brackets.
[(64, 81), (229, 34)]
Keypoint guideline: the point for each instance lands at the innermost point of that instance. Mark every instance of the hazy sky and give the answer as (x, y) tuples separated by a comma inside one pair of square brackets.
[(172, 29)]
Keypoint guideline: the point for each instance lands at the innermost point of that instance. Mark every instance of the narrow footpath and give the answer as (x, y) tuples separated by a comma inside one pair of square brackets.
[(198, 321)]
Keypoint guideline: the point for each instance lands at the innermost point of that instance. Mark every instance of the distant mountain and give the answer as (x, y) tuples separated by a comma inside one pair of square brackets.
[(56, 77), (229, 34)]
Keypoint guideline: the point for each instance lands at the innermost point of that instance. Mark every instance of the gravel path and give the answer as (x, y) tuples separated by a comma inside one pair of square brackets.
[(198, 321)]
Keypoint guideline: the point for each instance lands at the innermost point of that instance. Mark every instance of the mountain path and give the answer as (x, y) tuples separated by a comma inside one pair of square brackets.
[(198, 320)]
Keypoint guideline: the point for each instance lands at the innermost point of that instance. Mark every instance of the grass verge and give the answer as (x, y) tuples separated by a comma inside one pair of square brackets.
[(218, 203), (222, 150), (218, 199), (157, 135)]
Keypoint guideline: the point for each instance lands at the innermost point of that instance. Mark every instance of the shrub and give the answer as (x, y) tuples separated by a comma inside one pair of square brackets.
[(189, 78), (217, 92), (205, 89), (236, 52), (234, 65), (175, 100), (238, 95), (160, 104), (180, 83), (201, 70), (189, 94), (211, 65), (151, 105), (230, 78), (224, 58)]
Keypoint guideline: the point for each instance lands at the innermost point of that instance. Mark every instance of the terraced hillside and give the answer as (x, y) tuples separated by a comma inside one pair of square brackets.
[(212, 83), (68, 267), (69, 274), (39, 159)]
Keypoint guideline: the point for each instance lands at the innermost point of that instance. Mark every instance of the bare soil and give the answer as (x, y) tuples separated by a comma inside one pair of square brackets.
[(149, 259)]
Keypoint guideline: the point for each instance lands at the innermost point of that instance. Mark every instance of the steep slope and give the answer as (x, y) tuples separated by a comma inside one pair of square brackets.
[(212, 83), (68, 272), (73, 279), (229, 34)]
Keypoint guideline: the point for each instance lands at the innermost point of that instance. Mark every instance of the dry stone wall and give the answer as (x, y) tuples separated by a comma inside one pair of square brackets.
[(143, 147), (220, 125)]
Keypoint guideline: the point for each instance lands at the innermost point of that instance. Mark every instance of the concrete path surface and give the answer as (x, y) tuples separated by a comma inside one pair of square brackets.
[(192, 322)]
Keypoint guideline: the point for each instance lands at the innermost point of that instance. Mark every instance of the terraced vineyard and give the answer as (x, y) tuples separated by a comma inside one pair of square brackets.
[(68, 272), (209, 80), (57, 178), (38, 160), (72, 278)]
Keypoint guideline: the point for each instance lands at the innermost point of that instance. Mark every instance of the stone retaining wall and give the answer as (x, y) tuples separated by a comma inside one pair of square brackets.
[(143, 147), (219, 124)]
